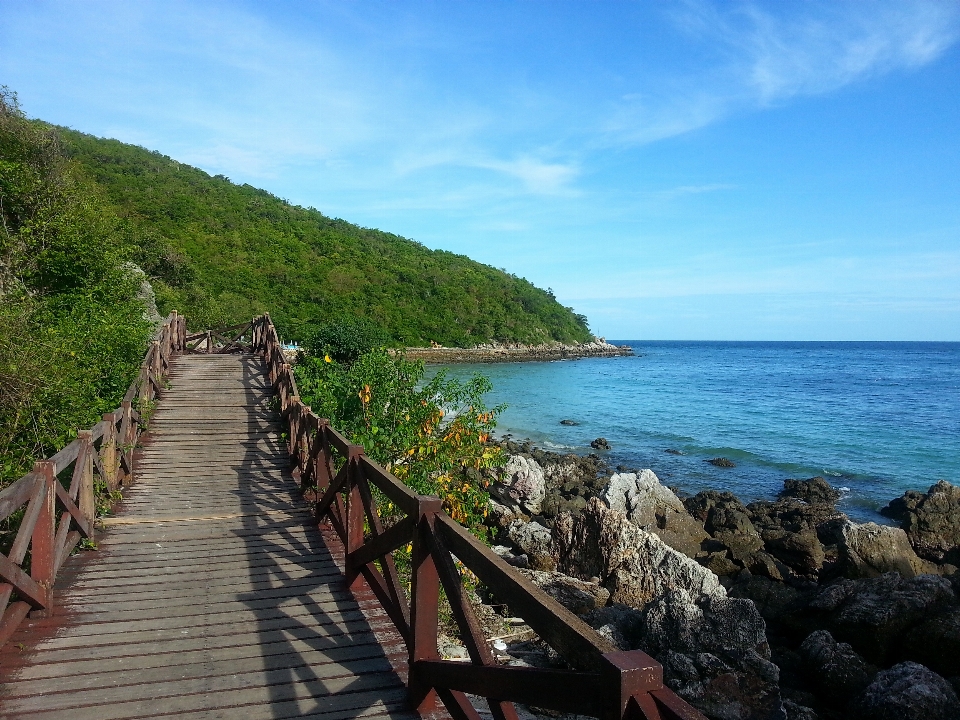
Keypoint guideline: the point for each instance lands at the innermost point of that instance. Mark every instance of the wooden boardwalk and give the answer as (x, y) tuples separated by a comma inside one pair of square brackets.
[(212, 594)]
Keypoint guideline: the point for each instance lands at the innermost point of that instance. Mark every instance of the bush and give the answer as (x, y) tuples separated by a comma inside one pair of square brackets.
[(427, 434), (74, 332), (346, 340)]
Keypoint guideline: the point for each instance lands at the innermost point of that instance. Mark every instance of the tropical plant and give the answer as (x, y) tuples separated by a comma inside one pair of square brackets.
[(427, 432)]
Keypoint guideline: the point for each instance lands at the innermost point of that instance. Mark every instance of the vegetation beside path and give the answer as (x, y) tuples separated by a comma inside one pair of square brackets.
[(73, 330)]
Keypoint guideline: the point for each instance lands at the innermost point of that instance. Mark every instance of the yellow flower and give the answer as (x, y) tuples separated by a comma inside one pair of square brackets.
[(364, 394), (326, 358)]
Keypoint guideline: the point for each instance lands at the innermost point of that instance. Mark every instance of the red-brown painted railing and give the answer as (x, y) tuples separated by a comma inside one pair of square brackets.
[(104, 451), (603, 681)]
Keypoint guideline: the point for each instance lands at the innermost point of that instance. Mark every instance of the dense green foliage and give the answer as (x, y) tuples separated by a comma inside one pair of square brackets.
[(222, 253), (74, 331), (427, 434), (345, 340)]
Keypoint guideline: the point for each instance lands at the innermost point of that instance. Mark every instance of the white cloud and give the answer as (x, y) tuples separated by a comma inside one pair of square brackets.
[(772, 53)]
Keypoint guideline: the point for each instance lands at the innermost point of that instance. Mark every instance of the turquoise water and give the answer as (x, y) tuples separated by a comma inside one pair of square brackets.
[(874, 418)]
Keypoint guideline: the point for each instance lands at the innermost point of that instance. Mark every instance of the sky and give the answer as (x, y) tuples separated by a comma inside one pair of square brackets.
[(673, 170)]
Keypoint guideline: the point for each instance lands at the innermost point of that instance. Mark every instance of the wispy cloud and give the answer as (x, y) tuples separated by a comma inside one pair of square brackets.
[(685, 190), (773, 53), (916, 275)]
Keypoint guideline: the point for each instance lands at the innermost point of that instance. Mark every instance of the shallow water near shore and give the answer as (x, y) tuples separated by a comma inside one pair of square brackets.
[(873, 418)]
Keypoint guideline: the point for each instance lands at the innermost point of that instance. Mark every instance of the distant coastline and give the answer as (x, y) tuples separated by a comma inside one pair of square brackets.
[(515, 352)]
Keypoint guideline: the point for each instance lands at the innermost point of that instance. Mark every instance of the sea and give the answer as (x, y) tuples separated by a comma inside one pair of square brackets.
[(874, 418)]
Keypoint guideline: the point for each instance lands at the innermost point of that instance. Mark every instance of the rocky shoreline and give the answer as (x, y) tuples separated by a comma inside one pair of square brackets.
[(497, 352), (779, 609)]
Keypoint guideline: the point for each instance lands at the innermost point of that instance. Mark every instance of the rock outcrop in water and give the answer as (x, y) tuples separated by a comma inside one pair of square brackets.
[(931, 521), (515, 352)]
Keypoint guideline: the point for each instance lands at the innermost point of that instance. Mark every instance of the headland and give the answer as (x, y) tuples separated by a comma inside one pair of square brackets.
[(495, 352)]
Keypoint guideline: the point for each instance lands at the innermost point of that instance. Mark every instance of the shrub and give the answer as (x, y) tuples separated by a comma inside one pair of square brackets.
[(426, 433), (346, 340)]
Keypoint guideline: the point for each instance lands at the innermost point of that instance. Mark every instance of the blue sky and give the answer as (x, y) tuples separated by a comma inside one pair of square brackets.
[(686, 170)]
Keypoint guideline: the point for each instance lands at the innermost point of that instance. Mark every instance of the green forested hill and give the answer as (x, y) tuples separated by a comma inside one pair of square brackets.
[(221, 253)]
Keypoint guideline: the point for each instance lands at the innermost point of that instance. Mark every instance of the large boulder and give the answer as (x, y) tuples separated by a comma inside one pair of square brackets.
[(532, 538), (873, 615), (502, 515), (907, 691), (835, 669), (728, 521), (936, 643), (791, 531), (522, 484), (578, 596), (931, 521), (814, 490), (635, 565), (655, 508), (870, 550), (773, 599), (622, 625), (715, 654)]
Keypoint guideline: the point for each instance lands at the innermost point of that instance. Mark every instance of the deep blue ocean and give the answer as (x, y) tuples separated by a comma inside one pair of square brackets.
[(874, 418)]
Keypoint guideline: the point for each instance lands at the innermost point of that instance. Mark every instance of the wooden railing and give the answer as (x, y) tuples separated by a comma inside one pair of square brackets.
[(230, 339), (602, 682), (64, 484)]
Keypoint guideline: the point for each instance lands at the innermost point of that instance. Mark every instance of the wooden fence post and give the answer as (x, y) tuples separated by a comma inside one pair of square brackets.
[(424, 605), (43, 561), (626, 679), (322, 471), (108, 451), (175, 331), (355, 515), (209, 343), (86, 500), (128, 434), (157, 361)]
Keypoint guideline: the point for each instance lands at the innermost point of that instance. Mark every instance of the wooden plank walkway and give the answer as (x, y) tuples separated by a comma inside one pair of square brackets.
[(212, 595)]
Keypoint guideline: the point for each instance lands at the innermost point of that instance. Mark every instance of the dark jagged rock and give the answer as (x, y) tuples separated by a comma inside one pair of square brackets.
[(715, 654), (872, 615), (936, 643), (834, 669), (931, 521), (773, 599), (673, 451), (578, 596), (727, 521), (619, 623), (721, 462), (600, 444), (791, 532), (790, 515), (569, 422), (814, 490), (907, 691), (569, 480)]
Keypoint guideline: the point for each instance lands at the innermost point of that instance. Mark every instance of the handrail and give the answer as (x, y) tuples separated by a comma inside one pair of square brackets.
[(605, 682), (105, 451)]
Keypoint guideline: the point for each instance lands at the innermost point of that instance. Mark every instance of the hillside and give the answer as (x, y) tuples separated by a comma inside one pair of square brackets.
[(221, 253)]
